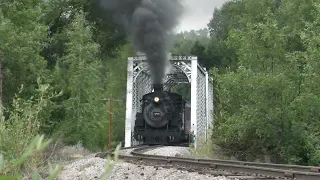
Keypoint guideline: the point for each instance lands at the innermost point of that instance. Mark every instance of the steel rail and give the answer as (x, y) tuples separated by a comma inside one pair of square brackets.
[(271, 170), (112, 151), (315, 169)]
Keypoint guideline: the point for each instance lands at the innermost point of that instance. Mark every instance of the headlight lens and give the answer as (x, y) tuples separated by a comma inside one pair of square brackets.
[(156, 99)]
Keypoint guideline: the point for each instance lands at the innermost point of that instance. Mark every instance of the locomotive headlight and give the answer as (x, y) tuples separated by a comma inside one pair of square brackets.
[(156, 99)]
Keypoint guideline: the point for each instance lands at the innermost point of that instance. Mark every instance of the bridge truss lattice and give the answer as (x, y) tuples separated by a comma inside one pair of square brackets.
[(184, 70)]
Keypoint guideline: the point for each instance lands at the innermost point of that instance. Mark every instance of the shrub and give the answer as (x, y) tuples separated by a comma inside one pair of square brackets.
[(23, 124)]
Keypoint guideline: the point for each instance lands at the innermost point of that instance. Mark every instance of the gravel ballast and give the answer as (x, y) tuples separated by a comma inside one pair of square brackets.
[(135, 172), (91, 167), (175, 151)]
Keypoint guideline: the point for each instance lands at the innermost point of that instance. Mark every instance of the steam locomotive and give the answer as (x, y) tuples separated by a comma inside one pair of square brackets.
[(162, 119)]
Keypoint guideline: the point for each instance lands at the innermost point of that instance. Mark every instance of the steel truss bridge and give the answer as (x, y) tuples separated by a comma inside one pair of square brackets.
[(184, 70)]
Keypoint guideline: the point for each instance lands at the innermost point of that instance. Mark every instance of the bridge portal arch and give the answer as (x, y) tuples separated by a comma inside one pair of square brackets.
[(184, 70)]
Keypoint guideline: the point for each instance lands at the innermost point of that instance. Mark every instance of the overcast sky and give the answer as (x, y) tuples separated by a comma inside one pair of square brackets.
[(198, 13)]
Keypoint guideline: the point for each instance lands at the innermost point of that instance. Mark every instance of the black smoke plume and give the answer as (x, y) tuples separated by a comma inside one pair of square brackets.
[(148, 24)]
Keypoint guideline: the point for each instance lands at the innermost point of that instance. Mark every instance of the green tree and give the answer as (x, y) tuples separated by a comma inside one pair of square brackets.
[(79, 70), (266, 105), (183, 41), (21, 38), (228, 17), (60, 13)]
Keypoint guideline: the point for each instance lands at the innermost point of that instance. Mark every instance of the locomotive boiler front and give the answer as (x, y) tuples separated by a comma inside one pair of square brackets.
[(161, 120), (157, 108)]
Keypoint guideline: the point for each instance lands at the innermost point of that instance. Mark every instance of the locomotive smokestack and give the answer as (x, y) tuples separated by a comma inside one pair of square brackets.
[(158, 87), (148, 24)]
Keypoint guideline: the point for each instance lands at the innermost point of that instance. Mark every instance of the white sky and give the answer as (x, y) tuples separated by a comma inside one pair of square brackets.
[(197, 14)]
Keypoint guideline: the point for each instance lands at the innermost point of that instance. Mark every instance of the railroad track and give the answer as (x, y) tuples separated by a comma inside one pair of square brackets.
[(222, 167)]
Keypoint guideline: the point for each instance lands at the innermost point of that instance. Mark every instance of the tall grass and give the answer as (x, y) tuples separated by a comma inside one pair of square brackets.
[(20, 128), (206, 148), (21, 148)]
